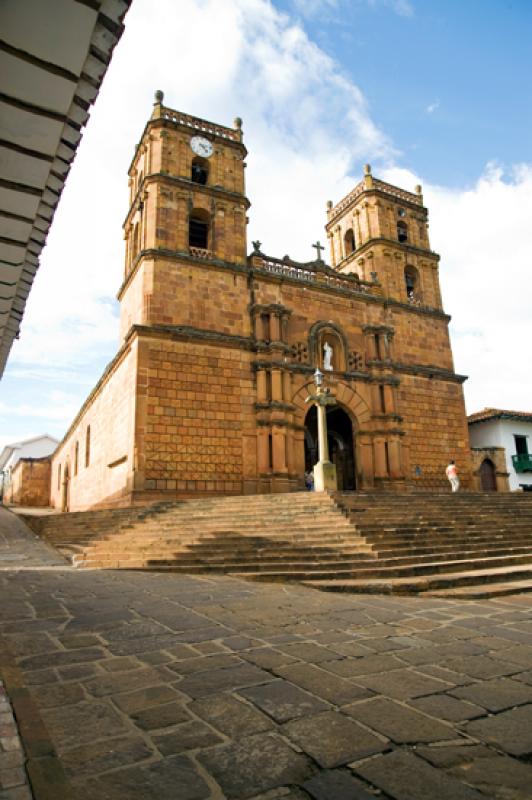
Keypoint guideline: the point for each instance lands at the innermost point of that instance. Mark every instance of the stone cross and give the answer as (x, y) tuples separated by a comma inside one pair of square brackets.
[(319, 247)]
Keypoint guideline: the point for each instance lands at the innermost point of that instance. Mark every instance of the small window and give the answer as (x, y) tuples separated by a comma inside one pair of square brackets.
[(382, 398), (402, 231), (76, 458), (88, 446), (270, 450), (59, 476), (349, 242), (200, 171), (521, 445), (198, 229), (377, 340)]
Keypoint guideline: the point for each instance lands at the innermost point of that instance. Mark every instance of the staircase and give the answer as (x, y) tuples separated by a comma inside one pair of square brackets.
[(461, 545)]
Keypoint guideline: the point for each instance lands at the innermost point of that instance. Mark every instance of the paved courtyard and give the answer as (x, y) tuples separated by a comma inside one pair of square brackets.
[(163, 687)]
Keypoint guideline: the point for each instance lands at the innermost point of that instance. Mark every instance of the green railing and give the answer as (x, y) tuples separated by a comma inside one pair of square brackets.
[(522, 463)]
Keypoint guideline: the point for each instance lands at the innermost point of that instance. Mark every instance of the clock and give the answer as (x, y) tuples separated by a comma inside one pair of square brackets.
[(201, 146)]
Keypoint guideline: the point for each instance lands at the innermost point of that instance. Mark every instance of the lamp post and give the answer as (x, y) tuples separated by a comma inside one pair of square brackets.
[(324, 470)]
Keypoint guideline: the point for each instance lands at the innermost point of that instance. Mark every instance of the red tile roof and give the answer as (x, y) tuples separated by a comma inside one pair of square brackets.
[(499, 413)]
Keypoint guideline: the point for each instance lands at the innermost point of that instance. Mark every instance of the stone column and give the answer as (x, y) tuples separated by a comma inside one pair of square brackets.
[(275, 327), (381, 470), (262, 391), (279, 450), (263, 450), (287, 386), (394, 453), (277, 386), (389, 401), (365, 447)]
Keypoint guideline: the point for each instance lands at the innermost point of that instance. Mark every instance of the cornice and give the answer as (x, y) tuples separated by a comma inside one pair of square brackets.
[(384, 240), (429, 371), (215, 191)]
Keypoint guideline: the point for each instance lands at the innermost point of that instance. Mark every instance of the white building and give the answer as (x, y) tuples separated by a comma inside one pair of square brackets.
[(37, 447), (496, 427)]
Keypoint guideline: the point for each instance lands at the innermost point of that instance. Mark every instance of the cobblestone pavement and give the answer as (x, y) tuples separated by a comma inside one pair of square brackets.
[(166, 687)]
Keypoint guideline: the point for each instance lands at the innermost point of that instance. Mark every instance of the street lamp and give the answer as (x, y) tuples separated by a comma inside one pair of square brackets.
[(324, 470)]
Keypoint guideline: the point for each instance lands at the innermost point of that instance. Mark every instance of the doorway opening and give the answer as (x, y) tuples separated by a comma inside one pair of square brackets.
[(341, 445), (488, 480)]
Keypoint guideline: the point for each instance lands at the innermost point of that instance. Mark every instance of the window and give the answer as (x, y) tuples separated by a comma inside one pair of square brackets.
[(88, 446), (382, 398), (200, 171), (521, 445), (402, 231), (76, 458), (59, 476), (377, 340), (198, 229), (349, 242), (412, 283)]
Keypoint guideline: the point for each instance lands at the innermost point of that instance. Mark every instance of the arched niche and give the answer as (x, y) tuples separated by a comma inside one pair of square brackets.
[(328, 347)]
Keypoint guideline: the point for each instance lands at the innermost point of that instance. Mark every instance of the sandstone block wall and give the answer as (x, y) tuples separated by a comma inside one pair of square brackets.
[(30, 483), (195, 417), (109, 412)]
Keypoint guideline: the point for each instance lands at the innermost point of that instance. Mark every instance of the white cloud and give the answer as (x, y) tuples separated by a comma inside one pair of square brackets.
[(308, 130), (484, 237), (432, 107)]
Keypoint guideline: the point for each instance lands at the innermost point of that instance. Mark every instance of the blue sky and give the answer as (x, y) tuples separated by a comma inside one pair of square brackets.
[(428, 92), (449, 81)]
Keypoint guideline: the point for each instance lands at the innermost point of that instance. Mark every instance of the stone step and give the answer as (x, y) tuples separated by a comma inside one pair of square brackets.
[(369, 572), (484, 591), (474, 579)]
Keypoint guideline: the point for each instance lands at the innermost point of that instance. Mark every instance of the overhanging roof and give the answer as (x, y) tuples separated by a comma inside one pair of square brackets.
[(499, 413), (53, 57)]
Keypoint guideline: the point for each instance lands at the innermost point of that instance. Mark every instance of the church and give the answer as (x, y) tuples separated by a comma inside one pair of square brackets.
[(218, 345)]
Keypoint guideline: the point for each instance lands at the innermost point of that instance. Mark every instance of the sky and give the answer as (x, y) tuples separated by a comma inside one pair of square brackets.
[(435, 92)]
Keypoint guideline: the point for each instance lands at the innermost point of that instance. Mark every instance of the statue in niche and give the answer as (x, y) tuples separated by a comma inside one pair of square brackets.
[(327, 357)]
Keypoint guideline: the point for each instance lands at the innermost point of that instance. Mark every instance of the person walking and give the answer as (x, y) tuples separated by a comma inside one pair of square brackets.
[(452, 474)]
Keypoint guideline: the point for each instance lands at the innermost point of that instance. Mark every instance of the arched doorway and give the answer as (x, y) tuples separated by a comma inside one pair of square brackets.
[(488, 480), (341, 444), (66, 489)]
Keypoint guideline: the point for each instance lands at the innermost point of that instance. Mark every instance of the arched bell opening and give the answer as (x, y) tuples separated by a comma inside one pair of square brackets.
[(341, 441)]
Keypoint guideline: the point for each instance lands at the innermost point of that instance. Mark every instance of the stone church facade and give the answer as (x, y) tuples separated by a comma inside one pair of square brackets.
[(206, 394)]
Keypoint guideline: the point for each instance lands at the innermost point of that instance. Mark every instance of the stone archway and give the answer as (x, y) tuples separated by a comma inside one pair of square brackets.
[(356, 409), (488, 478), (341, 439)]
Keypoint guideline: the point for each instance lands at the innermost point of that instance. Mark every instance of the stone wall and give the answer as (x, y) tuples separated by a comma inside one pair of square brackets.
[(30, 483), (104, 477)]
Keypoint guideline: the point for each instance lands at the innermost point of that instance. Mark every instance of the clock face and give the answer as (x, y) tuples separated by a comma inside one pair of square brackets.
[(201, 146)]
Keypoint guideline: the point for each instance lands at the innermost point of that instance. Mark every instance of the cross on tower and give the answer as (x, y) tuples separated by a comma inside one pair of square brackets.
[(319, 247)]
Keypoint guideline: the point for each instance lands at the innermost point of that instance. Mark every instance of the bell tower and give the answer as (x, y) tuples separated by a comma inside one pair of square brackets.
[(381, 231), (187, 214)]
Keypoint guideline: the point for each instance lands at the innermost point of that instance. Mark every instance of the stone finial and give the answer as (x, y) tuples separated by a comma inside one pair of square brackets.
[(329, 205), (419, 189), (367, 169), (237, 123), (256, 246), (159, 96)]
